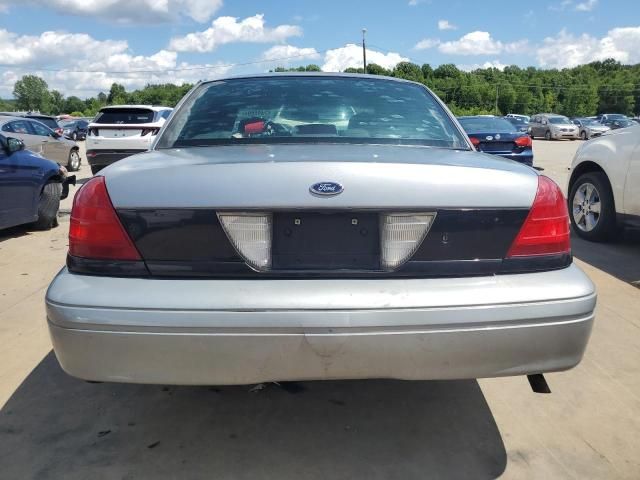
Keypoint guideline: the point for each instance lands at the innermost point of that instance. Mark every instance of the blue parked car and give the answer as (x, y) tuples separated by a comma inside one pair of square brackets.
[(497, 136), (31, 187)]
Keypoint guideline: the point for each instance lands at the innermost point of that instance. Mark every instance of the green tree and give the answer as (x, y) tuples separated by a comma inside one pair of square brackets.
[(31, 93), (117, 95), (74, 104), (56, 102)]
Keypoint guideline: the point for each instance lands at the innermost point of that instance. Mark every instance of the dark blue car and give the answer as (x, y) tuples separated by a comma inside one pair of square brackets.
[(30, 187), (497, 136)]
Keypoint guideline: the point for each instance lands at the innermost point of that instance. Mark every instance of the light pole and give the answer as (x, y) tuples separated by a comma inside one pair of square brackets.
[(364, 50)]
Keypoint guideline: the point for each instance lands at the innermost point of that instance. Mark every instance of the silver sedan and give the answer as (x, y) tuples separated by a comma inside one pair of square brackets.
[(290, 227), (40, 139)]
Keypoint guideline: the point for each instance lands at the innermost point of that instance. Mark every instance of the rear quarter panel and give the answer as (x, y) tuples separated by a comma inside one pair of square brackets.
[(612, 153)]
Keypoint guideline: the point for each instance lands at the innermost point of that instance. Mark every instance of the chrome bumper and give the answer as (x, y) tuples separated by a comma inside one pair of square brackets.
[(243, 331)]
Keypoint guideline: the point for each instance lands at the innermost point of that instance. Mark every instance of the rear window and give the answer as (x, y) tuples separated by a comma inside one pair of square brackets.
[(311, 110), (125, 116), (486, 125)]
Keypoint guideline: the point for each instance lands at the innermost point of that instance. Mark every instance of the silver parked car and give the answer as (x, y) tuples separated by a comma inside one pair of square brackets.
[(553, 127), (317, 226), (590, 127), (40, 139)]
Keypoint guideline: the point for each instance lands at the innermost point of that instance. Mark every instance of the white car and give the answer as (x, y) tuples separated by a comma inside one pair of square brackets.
[(123, 130), (603, 185)]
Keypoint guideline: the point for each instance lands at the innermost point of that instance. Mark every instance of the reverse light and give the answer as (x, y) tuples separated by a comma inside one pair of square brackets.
[(95, 231), (546, 229), (400, 236), (250, 234), (524, 141)]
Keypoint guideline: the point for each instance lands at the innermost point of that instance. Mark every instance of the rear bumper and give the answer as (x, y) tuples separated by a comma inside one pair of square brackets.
[(245, 331), (102, 158)]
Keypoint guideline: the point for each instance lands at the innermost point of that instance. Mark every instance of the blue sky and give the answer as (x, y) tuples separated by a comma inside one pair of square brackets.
[(81, 46)]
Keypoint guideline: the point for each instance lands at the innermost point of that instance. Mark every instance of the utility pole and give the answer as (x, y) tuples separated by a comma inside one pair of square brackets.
[(364, 50), (496, 99)]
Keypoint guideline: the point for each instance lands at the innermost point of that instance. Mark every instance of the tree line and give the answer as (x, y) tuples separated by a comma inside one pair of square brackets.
[(598, 87)]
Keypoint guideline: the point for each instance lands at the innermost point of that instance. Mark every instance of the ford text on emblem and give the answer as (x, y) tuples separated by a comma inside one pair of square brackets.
[(326, 188)]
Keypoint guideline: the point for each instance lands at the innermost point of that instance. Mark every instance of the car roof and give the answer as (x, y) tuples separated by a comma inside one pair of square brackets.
[(312, 74)]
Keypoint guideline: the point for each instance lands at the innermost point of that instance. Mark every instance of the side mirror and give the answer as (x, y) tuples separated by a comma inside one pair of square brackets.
[(14, 145)]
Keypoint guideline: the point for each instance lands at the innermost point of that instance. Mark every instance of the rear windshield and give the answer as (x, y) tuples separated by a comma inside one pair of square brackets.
[(125, 116), (559, 120), (487, 125), (311, 110), (49, 122)]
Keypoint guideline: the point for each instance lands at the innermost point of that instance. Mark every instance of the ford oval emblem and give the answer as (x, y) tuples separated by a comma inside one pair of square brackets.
[(326, 189)]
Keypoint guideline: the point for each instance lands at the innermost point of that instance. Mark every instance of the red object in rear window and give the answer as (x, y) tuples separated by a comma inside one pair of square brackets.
[(254, 127), (546, 229), (475, 141), (95, 230)]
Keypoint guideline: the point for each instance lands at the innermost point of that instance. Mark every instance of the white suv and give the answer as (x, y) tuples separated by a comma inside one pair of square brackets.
[(603, 185), (123, 130)]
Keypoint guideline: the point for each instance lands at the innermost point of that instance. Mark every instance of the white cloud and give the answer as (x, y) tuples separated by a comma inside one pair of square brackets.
[(286, 54), (480, 43), (446, 25), (229, 30), (85, 72), (350, 55), (586, 6), (131, 11), (567, 50), (559, 7), (427, 43), (492, 64)]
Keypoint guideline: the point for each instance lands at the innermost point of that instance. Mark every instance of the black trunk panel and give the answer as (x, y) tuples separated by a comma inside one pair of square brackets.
[(192, 243)]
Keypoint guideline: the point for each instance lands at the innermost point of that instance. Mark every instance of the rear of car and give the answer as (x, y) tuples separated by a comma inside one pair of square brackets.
[(121, 131), (317, 227), (498, 136)]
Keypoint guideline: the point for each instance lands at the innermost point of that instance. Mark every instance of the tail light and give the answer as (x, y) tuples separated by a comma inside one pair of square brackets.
[(524, 141), (95, 231), (147, 131), (59, 131), (250, 234), (400, 236), (475, 141), (546, 229)]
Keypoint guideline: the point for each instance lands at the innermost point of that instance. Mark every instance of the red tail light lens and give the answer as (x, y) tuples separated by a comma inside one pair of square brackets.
[(524, 141), (546, 229), (96, 231), (475, 141)]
